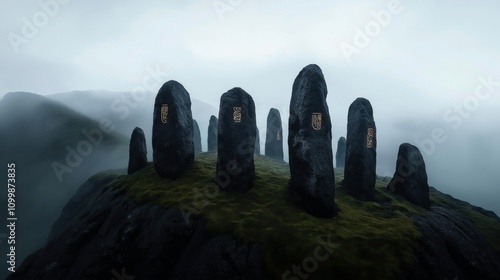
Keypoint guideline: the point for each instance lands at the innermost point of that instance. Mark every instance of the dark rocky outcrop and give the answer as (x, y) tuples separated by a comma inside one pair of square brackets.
[(361, 154), (257, 142), (340, 155), (137, 152), (196, 137), (213, 128), (236, 141), (115, 237), (274, 135), (410, 178), (452, 248), (173, 146), (312, 182)]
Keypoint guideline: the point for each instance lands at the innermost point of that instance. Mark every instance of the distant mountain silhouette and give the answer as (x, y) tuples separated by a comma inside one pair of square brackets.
[(127, 110), (36, 132)]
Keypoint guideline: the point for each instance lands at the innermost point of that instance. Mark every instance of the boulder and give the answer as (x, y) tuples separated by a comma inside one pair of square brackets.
[(312, 182), (196, 137), (274, 135), (410, 178), (361, 154), (213, 128), (236, 141), (340, 155), (173, 146), (137, 152)]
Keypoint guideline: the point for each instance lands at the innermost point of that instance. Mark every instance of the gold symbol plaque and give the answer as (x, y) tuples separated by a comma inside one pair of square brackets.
[(164, 113), (316, 121), (237, 114), (369, 138)]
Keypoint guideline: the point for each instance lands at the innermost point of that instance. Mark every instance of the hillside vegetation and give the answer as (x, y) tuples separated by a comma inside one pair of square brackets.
[(365, 240)]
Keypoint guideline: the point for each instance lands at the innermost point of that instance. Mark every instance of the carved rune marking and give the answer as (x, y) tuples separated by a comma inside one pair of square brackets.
[(316, 121), (164, 113), (369, 138), (237, 114)]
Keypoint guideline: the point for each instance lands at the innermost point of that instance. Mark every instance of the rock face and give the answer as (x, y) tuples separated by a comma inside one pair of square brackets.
[(410, 178), (173, 146), (137, 152), (312, 181), (236, 147), (361, 154), (257, 142), (274, 135), (452, 248), (340, 155), (196, 137), (115, 238), (213, 128)]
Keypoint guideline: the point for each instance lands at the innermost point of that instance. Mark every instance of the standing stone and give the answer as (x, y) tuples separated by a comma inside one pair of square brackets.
[(213, 128), (196, 137), (173, 146), (312, 181), (274, 135), (257, 142), (410, 178), (236, 141), (340, 156), (137, 151), (361, 154)]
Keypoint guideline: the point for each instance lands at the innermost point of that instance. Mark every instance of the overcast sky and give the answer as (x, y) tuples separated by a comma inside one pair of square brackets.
[(417, 66)]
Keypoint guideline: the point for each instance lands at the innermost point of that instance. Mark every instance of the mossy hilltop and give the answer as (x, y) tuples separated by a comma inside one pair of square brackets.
[(367, 239)]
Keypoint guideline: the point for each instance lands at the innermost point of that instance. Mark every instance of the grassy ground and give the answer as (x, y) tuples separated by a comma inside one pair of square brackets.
[(366, 240)]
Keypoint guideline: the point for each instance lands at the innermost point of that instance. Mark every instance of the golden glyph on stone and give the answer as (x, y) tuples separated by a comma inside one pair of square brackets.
[(316, 121), (237, 114), (369, 138), (164, 113)]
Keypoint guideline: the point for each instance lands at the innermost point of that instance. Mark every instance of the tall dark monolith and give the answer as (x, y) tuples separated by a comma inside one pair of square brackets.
[(236, 141), (340, 155), (213, 128), (173, 146), (312, 181), (257, 142), (274, 135), (361, 151), (196, 137), (137, 151)]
